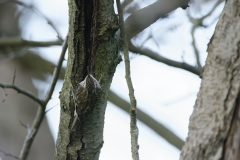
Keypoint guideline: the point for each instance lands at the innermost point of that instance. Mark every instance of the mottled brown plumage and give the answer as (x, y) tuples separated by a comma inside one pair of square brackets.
[(85, 94)]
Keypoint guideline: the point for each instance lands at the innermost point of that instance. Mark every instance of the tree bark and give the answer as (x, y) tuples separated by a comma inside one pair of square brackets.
[(214, 124), (92, 25)]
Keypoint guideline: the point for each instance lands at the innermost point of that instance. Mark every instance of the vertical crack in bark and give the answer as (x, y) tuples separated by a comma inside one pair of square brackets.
[(88, 12), (231, 144), (83, 46)]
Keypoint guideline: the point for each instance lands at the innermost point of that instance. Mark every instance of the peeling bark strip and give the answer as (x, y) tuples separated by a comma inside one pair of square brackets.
[(92, 25), (214, 123)]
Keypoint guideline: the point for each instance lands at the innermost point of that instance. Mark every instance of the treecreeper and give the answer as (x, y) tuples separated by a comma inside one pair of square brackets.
[(84, 95)]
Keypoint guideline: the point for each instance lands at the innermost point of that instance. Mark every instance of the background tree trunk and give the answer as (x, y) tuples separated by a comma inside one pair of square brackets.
[(214, 124), (92, 25)]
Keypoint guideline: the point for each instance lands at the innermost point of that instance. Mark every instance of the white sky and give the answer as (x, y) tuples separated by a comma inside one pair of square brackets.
[(166, 93)]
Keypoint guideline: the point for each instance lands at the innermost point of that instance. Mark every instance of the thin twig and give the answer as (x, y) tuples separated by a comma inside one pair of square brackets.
[(24, 125), (4, 95), (19, 42), (195, 48), (22, 91), (41, 110), (57, 71), (8, 154), (133, 110), (50, 109), (14, 76)]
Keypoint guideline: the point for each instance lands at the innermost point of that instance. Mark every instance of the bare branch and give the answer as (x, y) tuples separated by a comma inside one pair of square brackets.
[(41, 110), (22, 91), (195, 49), (8, 154), (57, 71), (133, 110), (19, 42), (159, 58), (159, 128), (14, 76)]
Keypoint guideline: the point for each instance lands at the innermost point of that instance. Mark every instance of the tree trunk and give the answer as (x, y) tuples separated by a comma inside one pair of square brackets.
[(92, 25), (214, 129)]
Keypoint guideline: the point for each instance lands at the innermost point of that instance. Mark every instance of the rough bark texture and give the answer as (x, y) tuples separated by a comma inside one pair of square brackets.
[(214, 127), (92, 25)]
